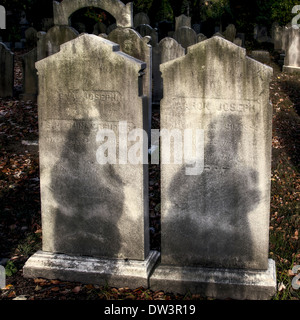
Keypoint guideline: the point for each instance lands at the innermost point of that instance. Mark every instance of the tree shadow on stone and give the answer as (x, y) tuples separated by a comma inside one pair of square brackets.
[(89, 199), (208, 222)]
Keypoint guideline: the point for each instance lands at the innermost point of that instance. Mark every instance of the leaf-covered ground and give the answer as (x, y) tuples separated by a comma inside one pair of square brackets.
[(20, 221)]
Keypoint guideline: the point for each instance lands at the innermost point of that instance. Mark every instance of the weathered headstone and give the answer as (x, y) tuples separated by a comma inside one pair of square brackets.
[(238, 42), (215, 216), (197, 28), (94, 196), (6, 71), (99, 27), (182, 21), (168, 49), (230, 32), (140, 18), (111, 28), (185, 36), (121, 12), (31, 37), (30, 78), (262, 56), (292, 51), (277, 35), (201, 37), (219, 34), (49, 43), (146, 30), (133, 44)]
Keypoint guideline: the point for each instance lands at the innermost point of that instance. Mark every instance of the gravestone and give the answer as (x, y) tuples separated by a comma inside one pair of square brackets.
[(168, 49), (185, 36), (201, 37), (49, 43), (121, 12), (140, 18), (292, 51), (111, 28), (277, 35), (262, 56), (99, 27), (215, 215), (6, 71), (146, 30), (238, 42), (31, 37), (182, 21), (134, 45), (94, 206), (197, 28), (230, 32), (30, 78)]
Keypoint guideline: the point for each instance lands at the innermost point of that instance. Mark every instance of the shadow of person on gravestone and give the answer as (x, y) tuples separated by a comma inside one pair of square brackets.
[(207, 224), (89, 199)]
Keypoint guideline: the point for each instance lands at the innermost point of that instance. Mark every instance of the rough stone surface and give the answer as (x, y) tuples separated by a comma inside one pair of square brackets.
[(167, 50), (6, 71), (89, 208), (116, 273), (219, 218), (133, 44), (217, 283), (185, 36), (182, 21), (121, 12)]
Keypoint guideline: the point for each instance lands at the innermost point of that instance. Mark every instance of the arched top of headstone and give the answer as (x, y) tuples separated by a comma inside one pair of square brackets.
[(182, 21), (121, 12), (140, 18), (217, 47)]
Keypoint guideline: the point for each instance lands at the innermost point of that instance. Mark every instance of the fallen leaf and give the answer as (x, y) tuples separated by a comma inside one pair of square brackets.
[(55, 289), (281, 286), (76, 289)]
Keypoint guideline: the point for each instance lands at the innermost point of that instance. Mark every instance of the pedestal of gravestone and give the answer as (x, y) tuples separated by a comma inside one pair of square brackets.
[(94, 191), (215, 216)]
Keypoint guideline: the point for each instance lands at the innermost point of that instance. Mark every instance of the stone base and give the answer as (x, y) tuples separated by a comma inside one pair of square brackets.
[(217, 283), (112, 272), (291, 70)]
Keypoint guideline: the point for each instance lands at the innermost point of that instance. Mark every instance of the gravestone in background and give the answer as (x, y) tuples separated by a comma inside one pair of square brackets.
[(185, 36), (6, 71), (30, 78), (146, 30), (49, 43), (133, 44), (95, 214), (230, 32), (201, 37), (167, 50), (182, 21), (140, 18), (215, 218), (292, 50)]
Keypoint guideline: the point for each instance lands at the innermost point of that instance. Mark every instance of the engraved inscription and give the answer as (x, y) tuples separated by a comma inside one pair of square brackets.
[(181, 104), (87, 104)]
